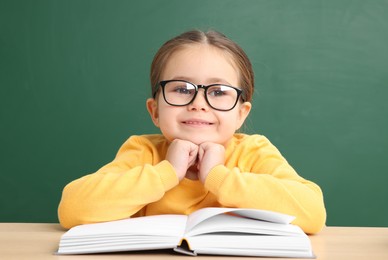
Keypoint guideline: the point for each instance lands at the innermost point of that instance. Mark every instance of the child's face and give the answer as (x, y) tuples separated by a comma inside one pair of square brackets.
[(197, 122)]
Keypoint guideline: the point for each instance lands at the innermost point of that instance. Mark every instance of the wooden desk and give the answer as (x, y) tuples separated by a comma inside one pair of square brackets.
[(40, 241)]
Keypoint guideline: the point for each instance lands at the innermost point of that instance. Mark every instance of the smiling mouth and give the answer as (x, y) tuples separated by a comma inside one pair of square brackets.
[(196, 123)]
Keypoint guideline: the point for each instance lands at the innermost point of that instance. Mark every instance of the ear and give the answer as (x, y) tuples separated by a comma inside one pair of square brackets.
[(152, 107), (243, 113)]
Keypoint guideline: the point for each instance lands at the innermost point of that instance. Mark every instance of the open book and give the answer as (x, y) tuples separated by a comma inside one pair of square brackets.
[(219, 231)]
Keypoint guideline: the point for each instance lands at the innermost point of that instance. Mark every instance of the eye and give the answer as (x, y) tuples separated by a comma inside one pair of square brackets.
[(179, 88), (219, 91), (183, 90)]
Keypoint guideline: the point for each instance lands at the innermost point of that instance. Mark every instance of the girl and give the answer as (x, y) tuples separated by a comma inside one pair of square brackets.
[(202, 88)]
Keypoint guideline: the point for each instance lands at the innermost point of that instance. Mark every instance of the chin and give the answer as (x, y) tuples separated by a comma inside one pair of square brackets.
[(193, 139), (200, 140), (196, 141), (196, 138)]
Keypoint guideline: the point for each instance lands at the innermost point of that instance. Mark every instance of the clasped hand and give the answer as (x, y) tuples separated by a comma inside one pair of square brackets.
[(184, 154)]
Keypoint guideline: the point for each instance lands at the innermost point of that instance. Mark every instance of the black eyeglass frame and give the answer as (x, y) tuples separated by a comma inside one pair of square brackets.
[(197, 87)]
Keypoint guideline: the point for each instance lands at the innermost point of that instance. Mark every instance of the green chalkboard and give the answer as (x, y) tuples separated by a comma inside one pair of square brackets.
[(74, 80)]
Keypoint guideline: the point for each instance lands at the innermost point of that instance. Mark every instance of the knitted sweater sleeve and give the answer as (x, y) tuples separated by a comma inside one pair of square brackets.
[(135, 178), (257, 176)]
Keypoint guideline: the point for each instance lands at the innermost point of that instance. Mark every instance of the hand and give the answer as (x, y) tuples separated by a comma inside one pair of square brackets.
[(182, 154), (209, 156)]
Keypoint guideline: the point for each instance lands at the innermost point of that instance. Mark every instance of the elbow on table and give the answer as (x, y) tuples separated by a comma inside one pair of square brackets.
[(68, 218), (313, 222)]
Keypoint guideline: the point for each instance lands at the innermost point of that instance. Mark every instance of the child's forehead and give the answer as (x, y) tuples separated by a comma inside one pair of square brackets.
[(194, 49), (200, 53)]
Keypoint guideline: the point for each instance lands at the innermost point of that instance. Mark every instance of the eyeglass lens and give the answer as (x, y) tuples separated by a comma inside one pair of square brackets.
[(218, 96)]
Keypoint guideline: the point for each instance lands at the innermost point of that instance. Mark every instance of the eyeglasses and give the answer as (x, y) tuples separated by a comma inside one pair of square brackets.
[(181, 93)]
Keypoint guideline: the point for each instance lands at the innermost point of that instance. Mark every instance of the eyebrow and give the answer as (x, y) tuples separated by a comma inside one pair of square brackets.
[(211, 80)]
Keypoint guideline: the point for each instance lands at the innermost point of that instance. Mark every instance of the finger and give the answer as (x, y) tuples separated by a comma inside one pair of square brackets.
[(201, 152), (193, 153)]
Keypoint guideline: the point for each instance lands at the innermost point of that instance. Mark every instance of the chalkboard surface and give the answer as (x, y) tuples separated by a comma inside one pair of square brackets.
[(74, 80)]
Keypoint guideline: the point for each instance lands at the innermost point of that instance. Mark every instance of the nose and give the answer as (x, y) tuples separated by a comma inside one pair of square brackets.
[(199, 102)]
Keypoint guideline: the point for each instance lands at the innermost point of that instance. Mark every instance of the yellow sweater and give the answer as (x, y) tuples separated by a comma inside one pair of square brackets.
[(139, 182)]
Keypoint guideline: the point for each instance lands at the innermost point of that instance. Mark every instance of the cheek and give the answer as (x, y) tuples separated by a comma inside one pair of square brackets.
[(166, 111), (167, 119), (230, 121)]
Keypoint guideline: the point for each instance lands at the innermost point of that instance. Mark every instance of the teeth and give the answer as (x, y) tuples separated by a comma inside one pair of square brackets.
[(196, 123)]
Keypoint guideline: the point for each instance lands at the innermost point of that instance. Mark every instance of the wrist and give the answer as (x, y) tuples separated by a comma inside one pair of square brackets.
[(215, 178), (167, 174), (204, 174)]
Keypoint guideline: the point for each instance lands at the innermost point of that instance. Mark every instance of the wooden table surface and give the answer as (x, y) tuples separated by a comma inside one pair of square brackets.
[(40, 241)]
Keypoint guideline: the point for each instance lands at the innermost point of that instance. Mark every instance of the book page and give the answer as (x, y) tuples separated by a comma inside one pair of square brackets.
[(268, 246), (237, 224), (201, 215), (161, 225), (249, 232), (141, 233)]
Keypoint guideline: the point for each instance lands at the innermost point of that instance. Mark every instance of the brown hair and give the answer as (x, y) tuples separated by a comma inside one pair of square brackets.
[(212, 38)]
